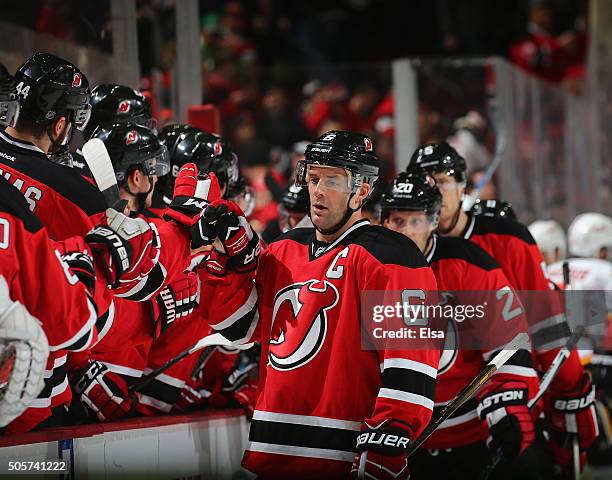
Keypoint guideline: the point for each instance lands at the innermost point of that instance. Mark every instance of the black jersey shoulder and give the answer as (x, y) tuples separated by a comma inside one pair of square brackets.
[(387, 246), (462, 249), (15, 204), (300, 235), (484, 224), (66, 181)]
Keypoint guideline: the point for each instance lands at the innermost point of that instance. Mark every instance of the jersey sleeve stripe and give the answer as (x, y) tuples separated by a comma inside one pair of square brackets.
[(82, 339), (246, 308), (551, 337), (303, 436), (121, 370), (152, 284), (309, 420), (409, 365), (155, 403), (407, 397), (409, 381), (307, 452), (516, 370), (242, 330), (547, 323), (105, 321)]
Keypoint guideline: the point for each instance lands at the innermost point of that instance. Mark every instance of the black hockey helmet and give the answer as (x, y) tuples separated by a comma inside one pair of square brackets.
[(9, 103), (415, 191), (351, 151), (111, 103), (296, 199), (211, 153), (132, 146), (440, 158), (50, 87), (494, 208)]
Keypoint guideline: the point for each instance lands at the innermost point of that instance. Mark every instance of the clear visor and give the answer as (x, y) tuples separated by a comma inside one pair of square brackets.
[(246, 201), (232, 170), (159, 165), (9, 112), (319, 176), (82, 116)]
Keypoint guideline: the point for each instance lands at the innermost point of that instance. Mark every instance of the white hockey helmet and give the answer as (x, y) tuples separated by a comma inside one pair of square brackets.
[(549, 236), (588, 233)]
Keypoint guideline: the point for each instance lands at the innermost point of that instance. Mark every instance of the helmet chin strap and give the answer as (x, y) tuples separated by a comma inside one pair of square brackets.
[(141, 197), (59, 152), (445, 231)]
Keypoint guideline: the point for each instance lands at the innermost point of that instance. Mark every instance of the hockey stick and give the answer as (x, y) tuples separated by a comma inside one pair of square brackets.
[(547, 378), (520, 341), (101, 167), (500, 147), (210, 340)]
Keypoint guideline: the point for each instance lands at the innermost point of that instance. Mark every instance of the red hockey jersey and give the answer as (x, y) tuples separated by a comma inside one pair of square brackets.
[(517, 253), (460, 265), (39, 279), (316, 383)]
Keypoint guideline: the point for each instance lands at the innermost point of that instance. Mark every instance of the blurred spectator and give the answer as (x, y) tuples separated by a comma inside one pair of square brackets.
[(468, 139), (279, 125), (543, 51)]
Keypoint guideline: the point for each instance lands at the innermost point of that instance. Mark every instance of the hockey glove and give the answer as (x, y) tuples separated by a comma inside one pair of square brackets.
[(191, 195), (76, 253), (102, 392), (128, 248), (571, 413), (382, 451), (23, 357), (241, 247), (191, 397), (504, 408), (241, 389), (177, 300)]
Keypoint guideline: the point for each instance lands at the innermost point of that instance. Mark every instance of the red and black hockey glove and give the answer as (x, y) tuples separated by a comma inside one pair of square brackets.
[(192, 396), (76, 253), (177, 300), (128, 248), (571, 413), (224, 220), (102, 392), (191, 195), (382, 451), (504, 408)]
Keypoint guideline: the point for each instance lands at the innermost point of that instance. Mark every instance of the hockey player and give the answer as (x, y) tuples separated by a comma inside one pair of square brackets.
[(209, 152), (112, 103), (458, 448), (242, 193), (318, 387), (550, 238), (514, 249)]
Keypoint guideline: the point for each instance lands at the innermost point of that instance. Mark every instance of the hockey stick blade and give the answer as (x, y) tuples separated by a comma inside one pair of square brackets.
[(215, 339), (101, 167), (520, 341)]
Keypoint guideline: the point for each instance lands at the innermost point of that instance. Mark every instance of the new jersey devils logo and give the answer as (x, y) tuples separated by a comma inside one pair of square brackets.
[(131, 137), (299, 323), (124, 106), (368, 144), (76, 80), (217, 149)]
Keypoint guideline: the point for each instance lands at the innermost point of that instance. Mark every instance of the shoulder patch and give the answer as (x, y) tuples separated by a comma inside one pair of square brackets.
[(454, 247), (501, 226), (14, 203), (387, 246)]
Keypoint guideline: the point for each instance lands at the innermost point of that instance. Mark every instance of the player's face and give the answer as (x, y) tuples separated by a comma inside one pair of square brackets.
[(451, 198), (415, 225), (329, 191)]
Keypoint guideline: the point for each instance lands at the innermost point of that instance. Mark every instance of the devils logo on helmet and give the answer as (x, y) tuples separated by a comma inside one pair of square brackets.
[(299, 323), (76, 80), (131, 137)]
